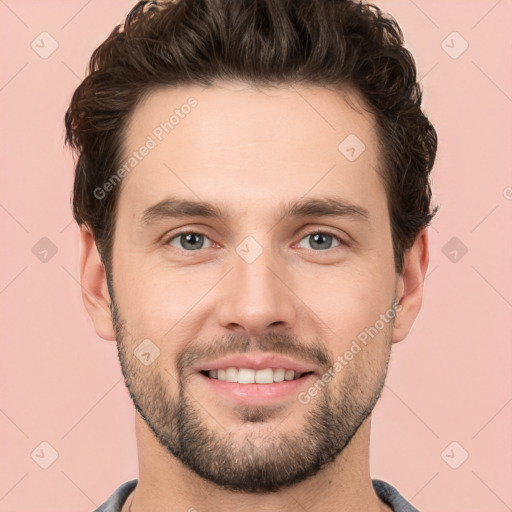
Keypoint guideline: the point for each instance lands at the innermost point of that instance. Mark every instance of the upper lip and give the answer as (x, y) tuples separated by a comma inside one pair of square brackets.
[(256, 362)]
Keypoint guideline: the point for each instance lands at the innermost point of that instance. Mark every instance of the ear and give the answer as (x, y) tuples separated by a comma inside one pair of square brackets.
[(93, 281), (410, 286)]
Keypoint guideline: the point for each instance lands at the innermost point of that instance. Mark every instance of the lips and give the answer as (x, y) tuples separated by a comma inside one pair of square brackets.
[(255, 378), (255, 394)]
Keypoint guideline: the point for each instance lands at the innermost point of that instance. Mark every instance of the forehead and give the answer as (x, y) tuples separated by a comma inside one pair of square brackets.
[(239, 144)]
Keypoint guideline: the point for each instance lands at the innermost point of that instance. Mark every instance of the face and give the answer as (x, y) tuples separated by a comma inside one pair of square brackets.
[(299, 266)]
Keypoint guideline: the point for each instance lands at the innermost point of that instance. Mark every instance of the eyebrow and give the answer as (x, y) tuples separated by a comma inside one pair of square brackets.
[(174, 207)]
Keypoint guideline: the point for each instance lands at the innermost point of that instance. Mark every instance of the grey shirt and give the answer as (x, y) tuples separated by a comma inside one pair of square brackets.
[(386, 492)]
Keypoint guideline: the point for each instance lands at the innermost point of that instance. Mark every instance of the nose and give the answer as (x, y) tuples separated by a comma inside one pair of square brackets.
[(258, 297)]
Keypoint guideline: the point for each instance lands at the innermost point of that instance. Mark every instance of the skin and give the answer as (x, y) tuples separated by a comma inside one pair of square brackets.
[(249, 149)]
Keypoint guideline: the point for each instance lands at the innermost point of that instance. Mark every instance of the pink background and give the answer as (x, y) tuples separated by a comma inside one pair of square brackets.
[(449, 381)]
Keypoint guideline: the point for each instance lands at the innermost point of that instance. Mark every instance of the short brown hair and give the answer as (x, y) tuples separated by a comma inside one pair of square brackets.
[(340, 43)]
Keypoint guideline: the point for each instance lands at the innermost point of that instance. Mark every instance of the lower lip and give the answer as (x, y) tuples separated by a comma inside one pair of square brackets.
[(257, 393)]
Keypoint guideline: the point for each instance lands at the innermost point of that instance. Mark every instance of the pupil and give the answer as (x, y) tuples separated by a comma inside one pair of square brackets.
[(190, 240), (318, 238)]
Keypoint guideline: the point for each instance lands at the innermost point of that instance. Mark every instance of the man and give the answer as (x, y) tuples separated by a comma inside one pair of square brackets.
[(252, 188)]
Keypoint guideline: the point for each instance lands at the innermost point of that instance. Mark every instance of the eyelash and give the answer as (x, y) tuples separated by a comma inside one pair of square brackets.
[(314, 232)]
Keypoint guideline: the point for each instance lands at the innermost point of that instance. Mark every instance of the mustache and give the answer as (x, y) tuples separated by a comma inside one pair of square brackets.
[(234, 343)]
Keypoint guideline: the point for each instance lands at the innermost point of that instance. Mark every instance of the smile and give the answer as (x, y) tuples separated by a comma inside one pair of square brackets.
[(251, 376)]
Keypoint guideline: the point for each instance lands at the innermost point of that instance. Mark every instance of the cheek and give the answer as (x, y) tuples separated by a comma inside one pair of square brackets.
[(157, 301), (351, 303), (358, 283)]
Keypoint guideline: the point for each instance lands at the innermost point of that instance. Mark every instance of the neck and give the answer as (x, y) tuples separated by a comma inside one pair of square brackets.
[(165, 485)]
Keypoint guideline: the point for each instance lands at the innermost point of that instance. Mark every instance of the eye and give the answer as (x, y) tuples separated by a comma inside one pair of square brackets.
[(321, 241), (189, 240)]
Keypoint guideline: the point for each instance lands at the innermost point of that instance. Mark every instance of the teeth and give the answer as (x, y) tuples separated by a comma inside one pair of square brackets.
[(279, 375), (249, 376), (246, 376), (231, 374), (289, 375), (265, 376)]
